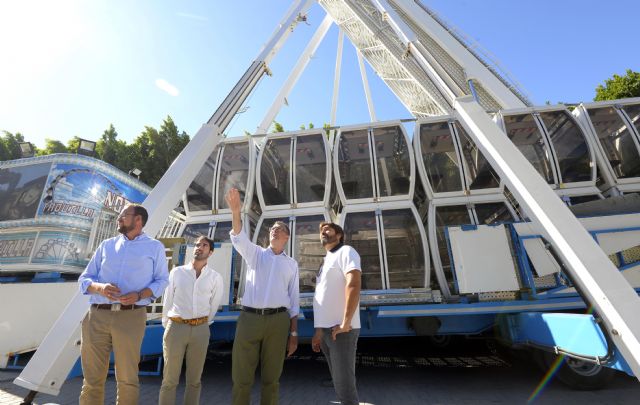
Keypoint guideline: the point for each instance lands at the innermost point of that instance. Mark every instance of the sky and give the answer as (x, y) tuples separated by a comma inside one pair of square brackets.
[(72, 67)]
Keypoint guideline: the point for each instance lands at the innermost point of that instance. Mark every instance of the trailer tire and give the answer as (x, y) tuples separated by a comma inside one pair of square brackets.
[(576, 374), (440, 341)]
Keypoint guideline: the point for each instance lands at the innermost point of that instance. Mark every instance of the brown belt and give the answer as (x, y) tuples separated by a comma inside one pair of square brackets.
[(192, 322), (116, 307)]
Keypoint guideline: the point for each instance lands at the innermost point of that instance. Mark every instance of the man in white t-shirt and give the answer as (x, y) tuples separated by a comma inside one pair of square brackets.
[(336, 314), (190, 302)]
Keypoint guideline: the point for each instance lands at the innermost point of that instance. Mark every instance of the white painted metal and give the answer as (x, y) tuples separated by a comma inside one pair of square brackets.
[(478, 271), (379, 208), (293, 170), (29, 310), (473, 68), (336, 79), (365, 85), (612, 242), (59, 350), (363, 23), (612, 182), (376, 197), (543, 262), (295, 74), (604, 286)]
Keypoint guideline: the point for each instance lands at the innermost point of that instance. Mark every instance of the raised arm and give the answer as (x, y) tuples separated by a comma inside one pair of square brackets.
[(239, 239), (235, 205)]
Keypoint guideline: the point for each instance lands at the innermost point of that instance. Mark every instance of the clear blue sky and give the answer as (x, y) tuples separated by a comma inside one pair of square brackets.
[(73, 67)]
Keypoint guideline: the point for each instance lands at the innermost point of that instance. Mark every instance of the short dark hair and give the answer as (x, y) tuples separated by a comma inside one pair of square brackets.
[(283, 225), (142, 211), (336, 228), (207, 240)]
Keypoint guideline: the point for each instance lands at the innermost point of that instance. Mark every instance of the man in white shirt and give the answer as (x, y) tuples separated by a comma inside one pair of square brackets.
[(190, 303), (336, 314), (270, 307)]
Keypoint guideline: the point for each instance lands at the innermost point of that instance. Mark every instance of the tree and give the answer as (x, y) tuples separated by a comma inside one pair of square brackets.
[(107, 145), (277, 127), (619, 87), (12, 145), (73, 144), (52, 146)]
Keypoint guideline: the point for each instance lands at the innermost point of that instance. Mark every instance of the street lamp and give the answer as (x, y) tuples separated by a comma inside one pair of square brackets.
[(26, 149), (135, 172), (86, 148)]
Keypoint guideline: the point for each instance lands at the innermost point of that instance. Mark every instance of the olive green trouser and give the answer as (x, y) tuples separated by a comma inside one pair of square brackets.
[(259, 338), (182, 341), (102, 331)]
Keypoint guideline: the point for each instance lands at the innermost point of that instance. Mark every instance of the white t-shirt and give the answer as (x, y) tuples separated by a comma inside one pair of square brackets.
[(329, 299)]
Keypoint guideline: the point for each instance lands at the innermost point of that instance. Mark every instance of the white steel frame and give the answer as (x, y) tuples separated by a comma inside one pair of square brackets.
[(292, 214), (293, 201), (462, 168), (372, 161), (432, 230), (251, 175), (578, 188), (378, 209), (604, 287), (624, 185)]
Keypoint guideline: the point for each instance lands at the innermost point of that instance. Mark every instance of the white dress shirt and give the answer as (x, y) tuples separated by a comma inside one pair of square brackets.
[(271, 280), (189, 297)]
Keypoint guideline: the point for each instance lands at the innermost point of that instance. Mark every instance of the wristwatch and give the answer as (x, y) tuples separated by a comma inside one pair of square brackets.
[(294, 333)]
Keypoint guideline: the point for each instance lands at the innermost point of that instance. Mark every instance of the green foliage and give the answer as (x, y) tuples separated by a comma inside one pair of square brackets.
[(277, 127), (152, 151), (52, 146), (10, 148), (73, 144), (619, 87)]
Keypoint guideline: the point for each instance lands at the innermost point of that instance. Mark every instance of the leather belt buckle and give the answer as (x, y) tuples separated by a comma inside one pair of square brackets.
[(115, 307)]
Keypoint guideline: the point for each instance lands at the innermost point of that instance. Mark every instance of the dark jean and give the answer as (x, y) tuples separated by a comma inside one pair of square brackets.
[(341, 358)]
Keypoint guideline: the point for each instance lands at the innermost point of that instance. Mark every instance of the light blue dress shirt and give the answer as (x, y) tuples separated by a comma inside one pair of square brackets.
[(132, 265)]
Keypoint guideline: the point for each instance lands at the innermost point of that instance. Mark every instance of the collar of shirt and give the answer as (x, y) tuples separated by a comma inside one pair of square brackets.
[(141, 236)]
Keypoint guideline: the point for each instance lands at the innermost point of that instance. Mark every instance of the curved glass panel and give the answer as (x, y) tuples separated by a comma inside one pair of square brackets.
[(275, 171), (361, 233), (354, 164), (308, 250), (617, 141), (570, 146), (403, 246), (194, 231), (492, 213), (524, 133), (221, 235), (479, 172), (263, 232), (234, 171), (393, 161), (449, 216), (311, 168), (21, 190), (633, 111), (200, 192), (439, 157)]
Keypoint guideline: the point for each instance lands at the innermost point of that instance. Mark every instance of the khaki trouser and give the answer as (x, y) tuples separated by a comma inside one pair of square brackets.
[(179, 340), (103, 331), (264, 338)]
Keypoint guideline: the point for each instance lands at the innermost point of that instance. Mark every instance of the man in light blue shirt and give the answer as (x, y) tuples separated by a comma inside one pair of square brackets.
[(126, 273)]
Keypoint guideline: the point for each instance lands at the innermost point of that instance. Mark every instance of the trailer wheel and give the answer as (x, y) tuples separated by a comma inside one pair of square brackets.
[(440, 341), (576, 374)]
